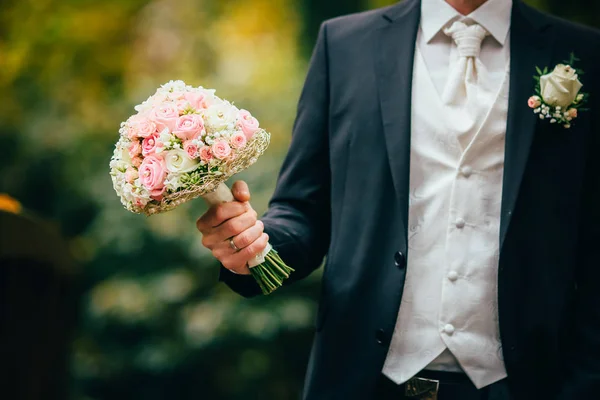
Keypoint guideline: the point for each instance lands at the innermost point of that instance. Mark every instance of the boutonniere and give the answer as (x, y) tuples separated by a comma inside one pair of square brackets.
[(558, 96)]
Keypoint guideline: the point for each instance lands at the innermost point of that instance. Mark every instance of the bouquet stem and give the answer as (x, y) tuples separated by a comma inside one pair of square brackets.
[(267, 268)]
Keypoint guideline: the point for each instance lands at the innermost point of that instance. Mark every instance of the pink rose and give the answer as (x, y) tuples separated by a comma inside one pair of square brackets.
[(153, 172), (131, 174), (572, 112), (191, 149), (136, 162), (248, 123), (221, 149), (188, 126), (158, 98), (206, 154), (135, 149), (157, 194), (150, 145), (166, 114), (534, 102), (197, 100), (140, 126), (177, 95), (238, 140), (140, 202)]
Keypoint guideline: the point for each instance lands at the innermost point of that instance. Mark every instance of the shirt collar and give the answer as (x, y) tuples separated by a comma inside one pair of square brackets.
[(493, 15)]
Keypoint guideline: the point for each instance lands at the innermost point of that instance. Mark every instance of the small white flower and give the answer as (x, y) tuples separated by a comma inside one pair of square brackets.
[(164, 136), (537, 110), (198, 142), (173, 182), (172, 86), (541, 116), (552, 120)]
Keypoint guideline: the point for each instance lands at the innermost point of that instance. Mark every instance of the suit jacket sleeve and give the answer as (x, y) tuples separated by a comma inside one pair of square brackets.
[(298, 218), (583, 365)]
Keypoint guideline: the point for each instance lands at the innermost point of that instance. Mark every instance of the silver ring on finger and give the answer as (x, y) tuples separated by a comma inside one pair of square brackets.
[(233, 246)]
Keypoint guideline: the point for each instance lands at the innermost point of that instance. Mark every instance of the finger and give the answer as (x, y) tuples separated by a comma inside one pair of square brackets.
[(244, 239), (249, 252), (220, 213), (235, 226), (238, 262), (240, 191), (249, 236)]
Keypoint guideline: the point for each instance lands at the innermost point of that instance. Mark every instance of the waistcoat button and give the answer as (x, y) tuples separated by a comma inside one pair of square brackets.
[(466, 171), (452, 275), (449, 329)]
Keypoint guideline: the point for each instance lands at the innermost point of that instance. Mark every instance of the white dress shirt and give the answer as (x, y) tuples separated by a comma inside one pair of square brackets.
[(435, 54), (439, 50)]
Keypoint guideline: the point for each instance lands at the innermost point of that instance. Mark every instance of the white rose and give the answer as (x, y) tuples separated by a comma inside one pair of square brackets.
[(219, 117), (178, 161), (561, 86)]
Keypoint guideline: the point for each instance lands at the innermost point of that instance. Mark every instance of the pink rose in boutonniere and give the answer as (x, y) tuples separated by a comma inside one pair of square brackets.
[(558, 96)]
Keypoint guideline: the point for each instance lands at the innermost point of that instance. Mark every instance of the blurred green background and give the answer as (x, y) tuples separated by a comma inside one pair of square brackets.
[(153, 321)]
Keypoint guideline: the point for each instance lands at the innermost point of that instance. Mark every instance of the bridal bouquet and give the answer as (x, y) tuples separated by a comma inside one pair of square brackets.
[(185, 142)]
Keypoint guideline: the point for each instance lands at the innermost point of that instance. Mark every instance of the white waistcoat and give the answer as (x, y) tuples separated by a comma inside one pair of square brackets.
[(450, 294)]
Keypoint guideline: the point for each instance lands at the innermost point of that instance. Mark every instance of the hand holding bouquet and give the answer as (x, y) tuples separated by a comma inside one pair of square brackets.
[(183, 143)]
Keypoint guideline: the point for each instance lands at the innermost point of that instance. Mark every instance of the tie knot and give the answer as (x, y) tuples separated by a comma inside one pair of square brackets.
[(468, 38)]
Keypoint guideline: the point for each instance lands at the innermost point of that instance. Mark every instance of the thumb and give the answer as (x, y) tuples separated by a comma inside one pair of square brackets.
[(240, 191)]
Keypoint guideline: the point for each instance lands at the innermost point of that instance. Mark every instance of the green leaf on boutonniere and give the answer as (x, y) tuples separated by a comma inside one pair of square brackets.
[(539, 71), (572, 59)]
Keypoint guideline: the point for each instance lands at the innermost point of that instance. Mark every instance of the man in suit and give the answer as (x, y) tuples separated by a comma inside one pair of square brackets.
[(459, 223)]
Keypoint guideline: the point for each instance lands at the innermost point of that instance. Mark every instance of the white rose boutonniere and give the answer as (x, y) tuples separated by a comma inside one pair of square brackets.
[(561, 86), (558, 96)]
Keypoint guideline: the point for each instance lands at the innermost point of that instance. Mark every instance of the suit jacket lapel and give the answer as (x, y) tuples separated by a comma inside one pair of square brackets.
[(395, 48), (531, 46)]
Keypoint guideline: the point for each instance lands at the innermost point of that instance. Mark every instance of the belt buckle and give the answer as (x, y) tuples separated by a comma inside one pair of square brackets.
[(421, 389)]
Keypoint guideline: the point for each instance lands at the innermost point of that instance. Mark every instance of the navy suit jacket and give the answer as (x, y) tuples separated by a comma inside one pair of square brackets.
[(343, 193)]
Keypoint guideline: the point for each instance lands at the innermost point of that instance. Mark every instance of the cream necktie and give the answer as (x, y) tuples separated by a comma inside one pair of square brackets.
[(468, 75)]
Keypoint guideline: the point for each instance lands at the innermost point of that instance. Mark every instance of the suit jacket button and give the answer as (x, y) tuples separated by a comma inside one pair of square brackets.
[(399, 259), (380, 336)]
